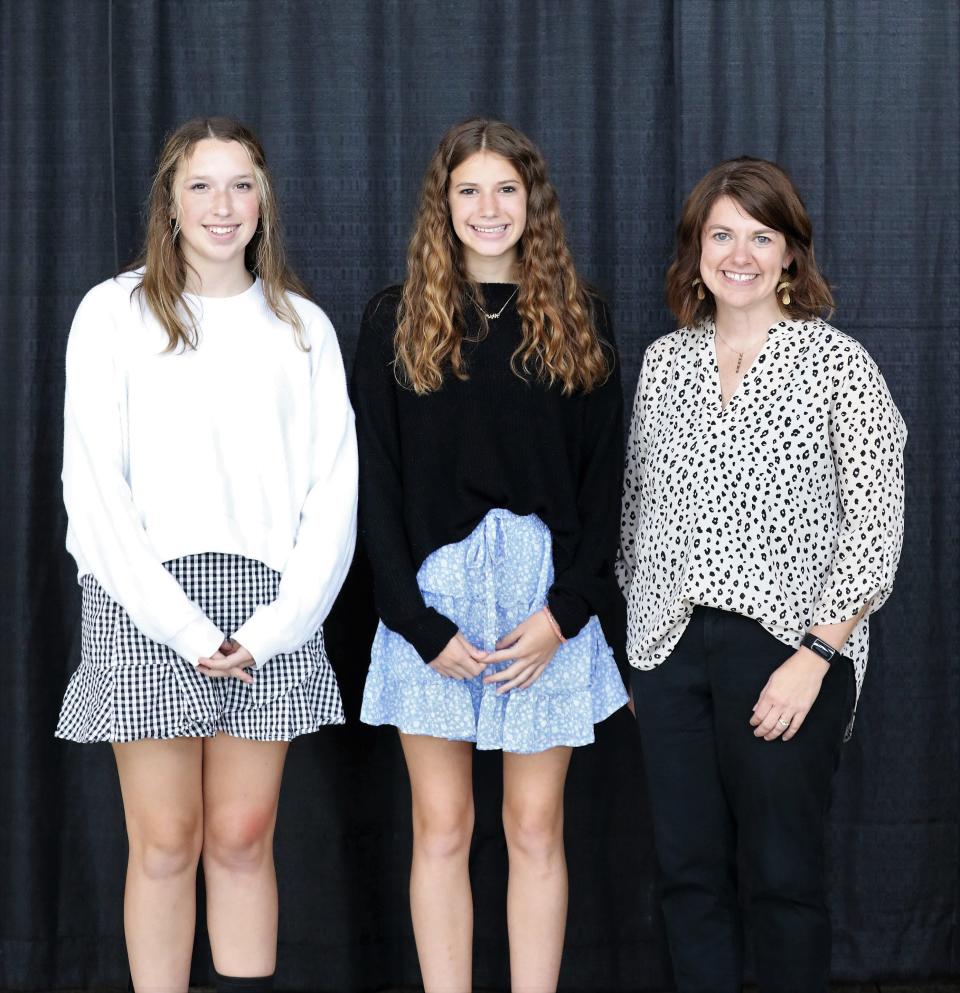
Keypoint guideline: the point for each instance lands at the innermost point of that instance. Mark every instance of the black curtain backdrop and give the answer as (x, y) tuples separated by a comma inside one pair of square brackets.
[(631, 101)]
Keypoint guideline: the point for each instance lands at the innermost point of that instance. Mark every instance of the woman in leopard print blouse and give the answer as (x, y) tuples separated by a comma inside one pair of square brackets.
[(762, 524)]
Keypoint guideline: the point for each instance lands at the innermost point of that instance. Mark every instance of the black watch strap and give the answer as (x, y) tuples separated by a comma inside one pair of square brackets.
[(818, 647)]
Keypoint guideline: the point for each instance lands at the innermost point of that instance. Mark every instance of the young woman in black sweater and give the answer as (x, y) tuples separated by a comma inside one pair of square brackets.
[(489, 418)]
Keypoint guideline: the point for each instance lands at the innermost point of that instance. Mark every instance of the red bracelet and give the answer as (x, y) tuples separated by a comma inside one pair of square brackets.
[(553, 624)]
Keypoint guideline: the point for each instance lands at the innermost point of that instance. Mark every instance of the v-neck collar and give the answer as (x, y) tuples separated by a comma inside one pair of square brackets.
[(754, 370)]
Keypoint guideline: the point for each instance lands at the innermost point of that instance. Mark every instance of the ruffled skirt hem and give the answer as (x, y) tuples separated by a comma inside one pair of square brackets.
[(97, 704)]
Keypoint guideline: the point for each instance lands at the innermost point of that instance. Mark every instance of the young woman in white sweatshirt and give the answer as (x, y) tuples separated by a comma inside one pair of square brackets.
[(210, 480)]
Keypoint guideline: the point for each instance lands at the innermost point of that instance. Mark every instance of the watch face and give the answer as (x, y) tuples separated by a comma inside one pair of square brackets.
[(819, 647), (822, 649)]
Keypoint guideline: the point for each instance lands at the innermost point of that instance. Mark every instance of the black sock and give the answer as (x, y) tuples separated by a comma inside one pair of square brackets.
[(237, 984)]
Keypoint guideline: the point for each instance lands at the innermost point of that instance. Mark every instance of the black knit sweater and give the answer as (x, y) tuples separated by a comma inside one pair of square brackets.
[(432, 466)]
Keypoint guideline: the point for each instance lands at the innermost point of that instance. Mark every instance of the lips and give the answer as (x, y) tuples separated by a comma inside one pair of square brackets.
[(740, 277), (222, 232), (489, 230)]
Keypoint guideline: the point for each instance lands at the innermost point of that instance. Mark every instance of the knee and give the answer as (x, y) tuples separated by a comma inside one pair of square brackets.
[(685, 860), (534, 833), (795, 873), (443, 833), (166, 849), (239, 838)]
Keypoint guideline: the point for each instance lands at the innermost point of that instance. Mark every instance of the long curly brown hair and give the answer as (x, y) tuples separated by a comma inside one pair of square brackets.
[(560, 342), (165, 269)]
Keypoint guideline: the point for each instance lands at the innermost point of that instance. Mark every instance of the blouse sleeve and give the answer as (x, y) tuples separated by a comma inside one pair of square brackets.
[(584, 587), (105, 532), (867, 437), (636, 464), (399, 601), (321, 556)]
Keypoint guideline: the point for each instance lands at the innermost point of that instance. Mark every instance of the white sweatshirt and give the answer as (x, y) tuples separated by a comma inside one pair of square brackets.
[(245, 445)]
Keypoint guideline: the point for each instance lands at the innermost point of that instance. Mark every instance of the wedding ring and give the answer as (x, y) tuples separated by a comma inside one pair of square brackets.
[(784, 724)]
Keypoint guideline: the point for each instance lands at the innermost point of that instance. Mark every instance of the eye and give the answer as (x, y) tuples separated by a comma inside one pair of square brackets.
[(467, 191), (508, 189), (198, 186), (244, 185), (763, 239), (721, 236)]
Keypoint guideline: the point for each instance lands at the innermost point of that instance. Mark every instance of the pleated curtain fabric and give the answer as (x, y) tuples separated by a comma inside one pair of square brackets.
[(631, 101)]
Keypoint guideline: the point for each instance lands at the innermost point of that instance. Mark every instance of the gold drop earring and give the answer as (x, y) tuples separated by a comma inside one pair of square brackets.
[(783, 288), (698, 283)]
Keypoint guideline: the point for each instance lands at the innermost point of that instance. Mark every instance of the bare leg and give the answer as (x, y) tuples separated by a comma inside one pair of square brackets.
[(441, 903), (241, 788), (537, 889), (161, 786)]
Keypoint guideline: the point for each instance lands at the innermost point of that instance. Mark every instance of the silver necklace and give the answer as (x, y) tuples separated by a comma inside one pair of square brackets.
[(493, 317), (736, 351)]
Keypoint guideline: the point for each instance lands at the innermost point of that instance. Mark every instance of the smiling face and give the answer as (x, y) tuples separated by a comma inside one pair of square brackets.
[(488, 209), (218, 206), (741, 260)]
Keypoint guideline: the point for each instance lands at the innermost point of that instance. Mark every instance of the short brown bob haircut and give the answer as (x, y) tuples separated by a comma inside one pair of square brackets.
[(764, 191)]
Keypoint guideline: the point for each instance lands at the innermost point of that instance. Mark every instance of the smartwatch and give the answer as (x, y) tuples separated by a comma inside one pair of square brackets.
[(819, 647)]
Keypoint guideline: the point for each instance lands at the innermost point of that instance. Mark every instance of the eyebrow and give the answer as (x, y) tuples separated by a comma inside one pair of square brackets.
[(233, 179), (723, 227), (499, 182)]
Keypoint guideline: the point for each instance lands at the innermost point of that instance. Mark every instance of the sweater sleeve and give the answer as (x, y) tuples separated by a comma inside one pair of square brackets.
[(867, 438), (583, 587), (323, 550), (398, 599), (105, 532)]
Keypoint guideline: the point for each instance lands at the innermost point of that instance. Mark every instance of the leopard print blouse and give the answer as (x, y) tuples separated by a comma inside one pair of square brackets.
[(785, 506)]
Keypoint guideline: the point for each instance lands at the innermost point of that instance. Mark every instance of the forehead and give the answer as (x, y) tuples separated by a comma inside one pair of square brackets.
[(214, 157), (729, 213), (484, 165)]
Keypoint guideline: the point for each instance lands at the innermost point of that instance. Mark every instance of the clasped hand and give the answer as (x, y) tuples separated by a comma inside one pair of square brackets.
[(231, 660), (530, 646)]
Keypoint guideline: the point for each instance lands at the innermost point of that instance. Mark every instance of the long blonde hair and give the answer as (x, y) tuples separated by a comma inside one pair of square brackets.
[(560, 342), (165, 268)]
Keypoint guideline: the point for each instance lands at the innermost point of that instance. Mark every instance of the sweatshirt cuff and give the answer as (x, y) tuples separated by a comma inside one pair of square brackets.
[(569, 610), (198, 640), (429, 633), (256, 636)]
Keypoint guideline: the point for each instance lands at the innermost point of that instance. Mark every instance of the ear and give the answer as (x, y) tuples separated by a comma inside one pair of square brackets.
[(788, 260)]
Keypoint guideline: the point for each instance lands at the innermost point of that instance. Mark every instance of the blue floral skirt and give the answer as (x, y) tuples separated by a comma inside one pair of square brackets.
[(487, 584)]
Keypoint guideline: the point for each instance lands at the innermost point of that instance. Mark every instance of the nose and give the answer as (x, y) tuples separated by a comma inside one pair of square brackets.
[(221, 203), (741, 251), (488, 204)]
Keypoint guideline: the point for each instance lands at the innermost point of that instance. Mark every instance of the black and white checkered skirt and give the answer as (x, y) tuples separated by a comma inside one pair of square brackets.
[(129, 687)]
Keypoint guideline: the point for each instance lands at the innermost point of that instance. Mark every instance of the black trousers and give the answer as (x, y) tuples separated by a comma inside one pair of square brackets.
[(715, 788)]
